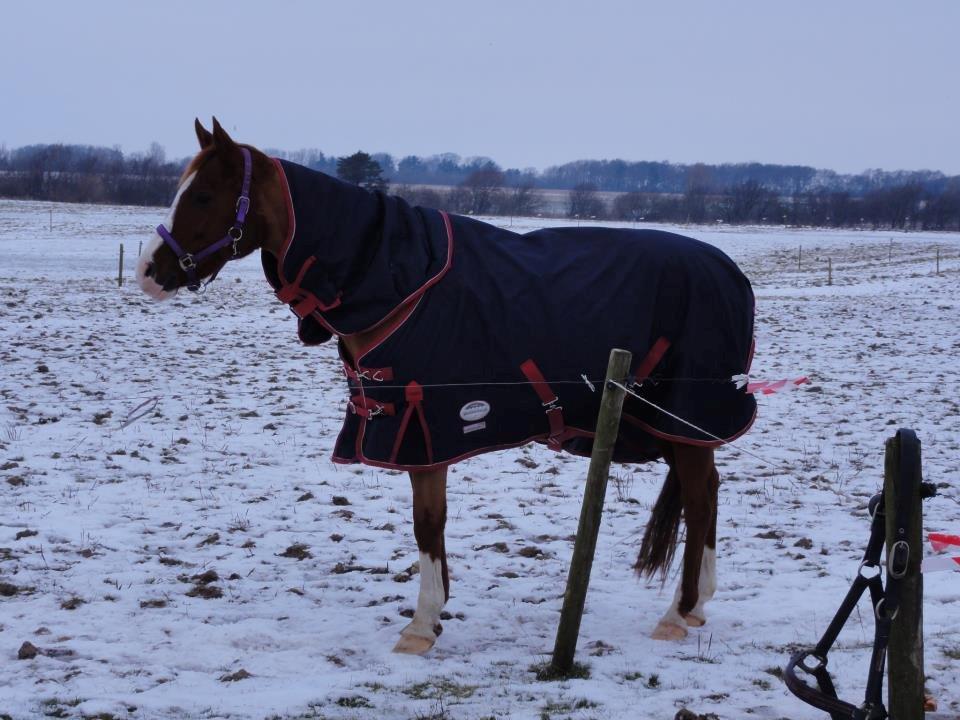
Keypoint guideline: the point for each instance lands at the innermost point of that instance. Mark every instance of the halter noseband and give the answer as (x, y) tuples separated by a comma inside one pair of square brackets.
[(189, 261)]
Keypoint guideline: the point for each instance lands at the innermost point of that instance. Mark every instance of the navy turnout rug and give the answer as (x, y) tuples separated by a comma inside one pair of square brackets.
[(480, 337)]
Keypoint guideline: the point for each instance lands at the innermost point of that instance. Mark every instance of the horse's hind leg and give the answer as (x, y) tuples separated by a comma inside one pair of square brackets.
[(429, 519), (707, 585), (699, 482)]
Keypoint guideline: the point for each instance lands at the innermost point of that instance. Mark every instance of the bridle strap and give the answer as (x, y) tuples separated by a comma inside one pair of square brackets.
[(190, 261)]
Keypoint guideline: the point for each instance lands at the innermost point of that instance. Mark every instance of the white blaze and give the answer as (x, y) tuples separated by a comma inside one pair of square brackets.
[(148, 284)]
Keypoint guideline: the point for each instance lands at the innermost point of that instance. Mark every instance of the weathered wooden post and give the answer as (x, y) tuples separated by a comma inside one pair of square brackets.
[(905, 652), (829, 271), (120, 268), (938, 260), (799, 256), (608, 424)]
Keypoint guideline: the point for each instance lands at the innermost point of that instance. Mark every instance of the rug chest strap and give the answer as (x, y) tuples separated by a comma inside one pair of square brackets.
[(558, 429), (367, 407), (374, 374), (303, 302)]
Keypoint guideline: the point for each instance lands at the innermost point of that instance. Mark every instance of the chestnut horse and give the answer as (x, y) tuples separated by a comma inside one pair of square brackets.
[(208, 225)]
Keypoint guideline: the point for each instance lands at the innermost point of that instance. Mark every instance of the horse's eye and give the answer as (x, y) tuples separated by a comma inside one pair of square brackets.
[(202, 198)]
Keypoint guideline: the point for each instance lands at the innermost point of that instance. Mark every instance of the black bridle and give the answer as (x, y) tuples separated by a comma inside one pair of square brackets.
[(189, 261)]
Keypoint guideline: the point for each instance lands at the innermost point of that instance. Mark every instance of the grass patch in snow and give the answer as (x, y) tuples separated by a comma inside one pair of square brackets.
[(546, 672), (440, 689)]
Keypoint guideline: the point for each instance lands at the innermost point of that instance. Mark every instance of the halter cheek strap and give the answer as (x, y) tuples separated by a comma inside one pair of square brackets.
[(189, 261)]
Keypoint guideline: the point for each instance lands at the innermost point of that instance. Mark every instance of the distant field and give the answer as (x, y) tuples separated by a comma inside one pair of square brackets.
[(151, 564)]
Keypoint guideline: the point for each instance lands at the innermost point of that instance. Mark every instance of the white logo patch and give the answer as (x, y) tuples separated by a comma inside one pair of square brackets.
[(476, 410)]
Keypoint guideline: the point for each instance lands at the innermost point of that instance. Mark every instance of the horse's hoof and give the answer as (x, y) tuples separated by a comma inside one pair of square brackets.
[(695, 620), (669, 631), (413, 645)]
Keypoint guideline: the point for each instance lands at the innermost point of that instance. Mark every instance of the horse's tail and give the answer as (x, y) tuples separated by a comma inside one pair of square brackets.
[(660, 538)]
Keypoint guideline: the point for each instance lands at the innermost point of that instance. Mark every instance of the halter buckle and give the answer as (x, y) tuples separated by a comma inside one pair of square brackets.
[(243, 205), (187, 262)]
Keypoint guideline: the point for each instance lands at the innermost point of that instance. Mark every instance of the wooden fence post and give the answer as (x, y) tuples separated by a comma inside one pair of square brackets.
[(905, 653), (120, 268), (608, 424)]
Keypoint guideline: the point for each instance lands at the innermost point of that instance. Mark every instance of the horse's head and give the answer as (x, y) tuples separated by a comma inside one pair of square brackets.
[(207, 224)]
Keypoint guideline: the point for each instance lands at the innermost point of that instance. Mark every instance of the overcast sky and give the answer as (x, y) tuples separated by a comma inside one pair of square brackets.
[(840, 84)]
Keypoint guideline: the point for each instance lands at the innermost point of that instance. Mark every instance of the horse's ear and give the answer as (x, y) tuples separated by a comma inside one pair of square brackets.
[(203, 135), (220, 137)]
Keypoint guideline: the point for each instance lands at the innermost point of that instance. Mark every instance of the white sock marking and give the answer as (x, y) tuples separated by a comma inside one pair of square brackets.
[(431, 599), (706, 587)]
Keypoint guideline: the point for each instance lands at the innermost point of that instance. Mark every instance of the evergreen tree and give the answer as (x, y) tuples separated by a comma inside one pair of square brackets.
[(361, 169)]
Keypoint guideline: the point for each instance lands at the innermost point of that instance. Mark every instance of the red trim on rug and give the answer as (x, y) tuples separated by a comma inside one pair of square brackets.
[(542, 438), (291, 220), (361, 459), (685, 440), (386, 327)]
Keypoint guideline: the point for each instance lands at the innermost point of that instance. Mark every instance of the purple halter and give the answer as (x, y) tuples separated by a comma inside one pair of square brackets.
[(189, 261)]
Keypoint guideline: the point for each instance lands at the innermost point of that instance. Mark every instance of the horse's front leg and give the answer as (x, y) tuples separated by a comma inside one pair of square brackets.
[(429, 519)]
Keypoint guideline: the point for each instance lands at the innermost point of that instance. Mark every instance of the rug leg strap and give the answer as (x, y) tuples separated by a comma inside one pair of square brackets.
[(652, 359)]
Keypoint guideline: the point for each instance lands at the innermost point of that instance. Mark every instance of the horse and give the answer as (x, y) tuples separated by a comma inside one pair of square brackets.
[(444, 325)]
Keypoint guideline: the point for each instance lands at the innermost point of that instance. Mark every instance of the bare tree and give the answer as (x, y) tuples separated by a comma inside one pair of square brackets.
[(743, 200), (631, 206), (484, 189), (423, 196), (695, 197), (522, 198), (584, 202)]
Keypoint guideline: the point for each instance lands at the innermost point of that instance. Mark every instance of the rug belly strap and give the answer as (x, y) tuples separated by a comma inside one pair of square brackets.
[(559, 433)]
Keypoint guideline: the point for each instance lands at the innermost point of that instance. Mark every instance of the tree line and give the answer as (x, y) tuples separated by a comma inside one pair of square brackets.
[(587, 189)]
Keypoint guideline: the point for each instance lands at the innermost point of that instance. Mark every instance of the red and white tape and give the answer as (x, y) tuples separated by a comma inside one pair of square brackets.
[(768, 387), (943, 542)]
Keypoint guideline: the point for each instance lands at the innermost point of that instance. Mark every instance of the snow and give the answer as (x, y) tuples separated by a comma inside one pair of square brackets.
[(106, 532)]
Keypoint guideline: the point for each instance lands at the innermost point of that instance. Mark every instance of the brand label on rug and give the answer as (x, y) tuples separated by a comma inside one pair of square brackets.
[(474, 427), (476, 410)]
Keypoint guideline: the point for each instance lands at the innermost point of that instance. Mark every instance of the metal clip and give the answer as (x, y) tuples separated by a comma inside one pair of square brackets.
[(187, 262), (881, 613), (898, 558)]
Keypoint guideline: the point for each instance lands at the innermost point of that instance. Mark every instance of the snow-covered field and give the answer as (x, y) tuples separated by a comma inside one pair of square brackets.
[(210, 561)]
